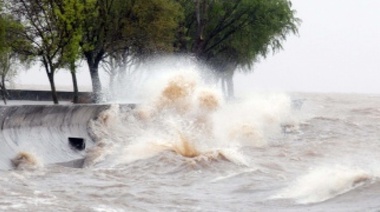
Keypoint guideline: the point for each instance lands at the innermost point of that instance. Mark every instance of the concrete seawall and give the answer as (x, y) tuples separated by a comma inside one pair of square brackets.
[(41, 95), (43, 130)]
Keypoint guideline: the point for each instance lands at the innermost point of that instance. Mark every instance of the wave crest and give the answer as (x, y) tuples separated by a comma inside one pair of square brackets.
[(324, 183), (191, 119), (25, 161)]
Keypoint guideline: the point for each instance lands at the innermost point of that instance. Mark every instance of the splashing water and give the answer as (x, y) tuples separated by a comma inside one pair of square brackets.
[(190, 118), (26, 161), (324, 183), (183, 148)]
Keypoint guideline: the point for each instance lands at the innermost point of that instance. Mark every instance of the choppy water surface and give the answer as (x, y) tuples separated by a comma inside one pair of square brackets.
[(184, 149)]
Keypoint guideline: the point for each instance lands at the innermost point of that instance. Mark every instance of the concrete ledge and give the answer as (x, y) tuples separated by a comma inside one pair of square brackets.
[(41, 95)]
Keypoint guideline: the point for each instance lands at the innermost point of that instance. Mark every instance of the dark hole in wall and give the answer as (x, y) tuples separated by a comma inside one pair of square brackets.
[(77, 143)]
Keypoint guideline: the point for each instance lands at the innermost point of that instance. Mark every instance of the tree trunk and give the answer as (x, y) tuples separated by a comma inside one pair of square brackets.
[(50, 73), (114, 72), (93, 60), (200, 13), (230, 86), (112, 85), (224, 86), (3, 94), (6, 68), (96, 85), (227, 80), (53, 89), (3, 90), (75, 83)]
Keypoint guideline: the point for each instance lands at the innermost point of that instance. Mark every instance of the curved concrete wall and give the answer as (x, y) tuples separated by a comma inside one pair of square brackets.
[(43, 131)]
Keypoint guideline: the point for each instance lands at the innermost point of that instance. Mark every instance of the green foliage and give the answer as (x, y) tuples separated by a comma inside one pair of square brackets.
[(224, 34), (142, 27), (238, 31), (12, 45), (42, 29), (12, 41), (135, 28), (69, 18), (2, 28), (9, 57), (38, 28), (5, 53), (152, 25)]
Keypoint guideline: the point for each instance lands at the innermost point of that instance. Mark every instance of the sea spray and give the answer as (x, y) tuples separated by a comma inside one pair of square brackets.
[(190, 118), (26, 161), (142, 80), (323, 183), (233, 171), (255, 120)]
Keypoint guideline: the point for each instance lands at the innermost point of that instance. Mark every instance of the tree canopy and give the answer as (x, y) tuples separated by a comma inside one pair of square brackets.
[(10, 44), (69, 19), (228, 34), (40, 29), (223, 34), (241, 30), (119, 27)]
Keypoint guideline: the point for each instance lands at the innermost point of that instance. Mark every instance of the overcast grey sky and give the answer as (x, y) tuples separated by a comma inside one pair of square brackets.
[(337, 50)]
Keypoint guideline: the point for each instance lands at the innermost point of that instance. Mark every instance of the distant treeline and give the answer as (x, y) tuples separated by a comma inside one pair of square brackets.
[(117, 34)]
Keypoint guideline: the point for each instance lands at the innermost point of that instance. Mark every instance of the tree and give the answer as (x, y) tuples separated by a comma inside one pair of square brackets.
[(4, 57), (149, 28), (9, 57), (4, 60), (123, 29), (70, 17), (53, 27), (231, 34), (39, 21), (7, 72)]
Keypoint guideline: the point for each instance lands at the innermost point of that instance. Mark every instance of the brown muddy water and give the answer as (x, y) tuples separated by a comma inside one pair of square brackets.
[(185, 149)]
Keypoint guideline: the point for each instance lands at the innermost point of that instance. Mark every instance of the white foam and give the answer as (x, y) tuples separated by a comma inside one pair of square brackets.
[(324, 183), (184, 114)]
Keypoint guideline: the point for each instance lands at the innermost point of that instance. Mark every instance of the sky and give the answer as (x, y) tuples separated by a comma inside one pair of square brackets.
[(337, 50)]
